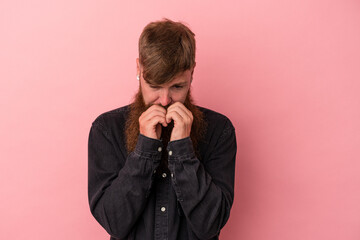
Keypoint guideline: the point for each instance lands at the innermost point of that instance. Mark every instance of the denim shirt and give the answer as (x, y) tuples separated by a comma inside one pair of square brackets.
[(131, 200)]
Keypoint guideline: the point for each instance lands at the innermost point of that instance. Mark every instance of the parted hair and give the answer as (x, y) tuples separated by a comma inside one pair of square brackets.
[(166, 48)]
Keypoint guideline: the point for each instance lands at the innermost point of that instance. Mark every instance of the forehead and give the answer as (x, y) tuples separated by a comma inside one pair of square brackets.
[(180, 78)]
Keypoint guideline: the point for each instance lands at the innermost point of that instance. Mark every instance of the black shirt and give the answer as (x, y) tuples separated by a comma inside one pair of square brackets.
[(192, 200)]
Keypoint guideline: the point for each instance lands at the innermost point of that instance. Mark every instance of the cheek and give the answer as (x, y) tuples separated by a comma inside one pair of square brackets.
[(149, 96), (179, 96)]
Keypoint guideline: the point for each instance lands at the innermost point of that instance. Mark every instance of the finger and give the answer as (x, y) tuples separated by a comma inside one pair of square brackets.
[(174, 105), (154, 108), (154, 113), (145, 120), (183, 109), (186, 119), (151, 114), (184, 114), (173, 115), (158, 131), (157, 107), (155, 120)]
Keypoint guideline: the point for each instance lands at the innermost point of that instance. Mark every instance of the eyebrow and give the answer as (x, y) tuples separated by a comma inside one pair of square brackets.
[(175, 84), (179, 83)]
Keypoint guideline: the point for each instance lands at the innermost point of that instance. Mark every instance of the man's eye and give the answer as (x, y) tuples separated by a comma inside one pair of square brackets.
[(178, 86), (154, 87)]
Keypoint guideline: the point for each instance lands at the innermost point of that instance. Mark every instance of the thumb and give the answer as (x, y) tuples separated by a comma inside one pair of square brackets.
[(168, 118), (158, 130)]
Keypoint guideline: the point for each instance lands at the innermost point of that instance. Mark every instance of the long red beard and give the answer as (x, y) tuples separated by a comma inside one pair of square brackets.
[(138, 107)]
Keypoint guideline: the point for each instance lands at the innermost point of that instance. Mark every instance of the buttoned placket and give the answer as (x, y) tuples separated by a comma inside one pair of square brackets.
[(162, 188)]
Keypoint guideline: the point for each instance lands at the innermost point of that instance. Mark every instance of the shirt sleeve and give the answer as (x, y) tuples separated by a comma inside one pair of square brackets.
[(205, 190), (118, 188)]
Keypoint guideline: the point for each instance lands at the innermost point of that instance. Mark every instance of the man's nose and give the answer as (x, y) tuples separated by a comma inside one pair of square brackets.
[(165, 98)]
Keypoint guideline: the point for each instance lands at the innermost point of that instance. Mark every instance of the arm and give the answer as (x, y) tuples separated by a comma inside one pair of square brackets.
[(205, 190), (118, 188)]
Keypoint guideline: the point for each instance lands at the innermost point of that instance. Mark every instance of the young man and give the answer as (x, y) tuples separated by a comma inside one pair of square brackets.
[(161, 167)]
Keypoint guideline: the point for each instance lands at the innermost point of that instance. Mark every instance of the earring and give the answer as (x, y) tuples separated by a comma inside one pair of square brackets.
[(137, 77)]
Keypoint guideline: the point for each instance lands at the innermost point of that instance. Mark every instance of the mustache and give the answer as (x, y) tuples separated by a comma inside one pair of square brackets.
[(151, 104)]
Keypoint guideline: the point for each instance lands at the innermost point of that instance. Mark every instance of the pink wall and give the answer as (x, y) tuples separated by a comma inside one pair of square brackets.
[(287, 73)]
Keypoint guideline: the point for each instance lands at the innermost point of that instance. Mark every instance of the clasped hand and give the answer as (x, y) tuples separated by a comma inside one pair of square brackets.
[(156, 116)]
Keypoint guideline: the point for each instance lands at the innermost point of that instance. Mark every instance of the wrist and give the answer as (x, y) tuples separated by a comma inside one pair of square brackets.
[(182, 146)]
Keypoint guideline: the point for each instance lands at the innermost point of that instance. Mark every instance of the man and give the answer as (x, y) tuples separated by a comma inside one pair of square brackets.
[(161, 167)]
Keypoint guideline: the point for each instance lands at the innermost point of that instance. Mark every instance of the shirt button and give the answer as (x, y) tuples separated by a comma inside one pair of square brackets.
[(164, 175), (163, 209), (172, 175), (159, 149), (170, 153), (155, 171)]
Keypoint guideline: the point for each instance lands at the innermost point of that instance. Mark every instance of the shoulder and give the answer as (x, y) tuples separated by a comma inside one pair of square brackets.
[(112, 117), (219, 134), (215, 119)]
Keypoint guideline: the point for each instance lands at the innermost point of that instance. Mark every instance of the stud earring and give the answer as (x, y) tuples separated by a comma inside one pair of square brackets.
[(137, 77)]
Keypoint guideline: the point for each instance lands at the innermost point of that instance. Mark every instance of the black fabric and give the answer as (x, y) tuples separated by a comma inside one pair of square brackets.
[(189, 200)]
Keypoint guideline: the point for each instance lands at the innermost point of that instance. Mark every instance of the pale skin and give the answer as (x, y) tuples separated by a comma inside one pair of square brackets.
[(172, 94)]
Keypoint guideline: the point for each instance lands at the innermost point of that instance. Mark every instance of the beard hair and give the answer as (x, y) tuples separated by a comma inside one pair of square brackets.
[(138, 106)]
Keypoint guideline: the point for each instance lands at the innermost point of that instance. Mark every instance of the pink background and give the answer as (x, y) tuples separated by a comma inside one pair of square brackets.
[(287, 73)]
